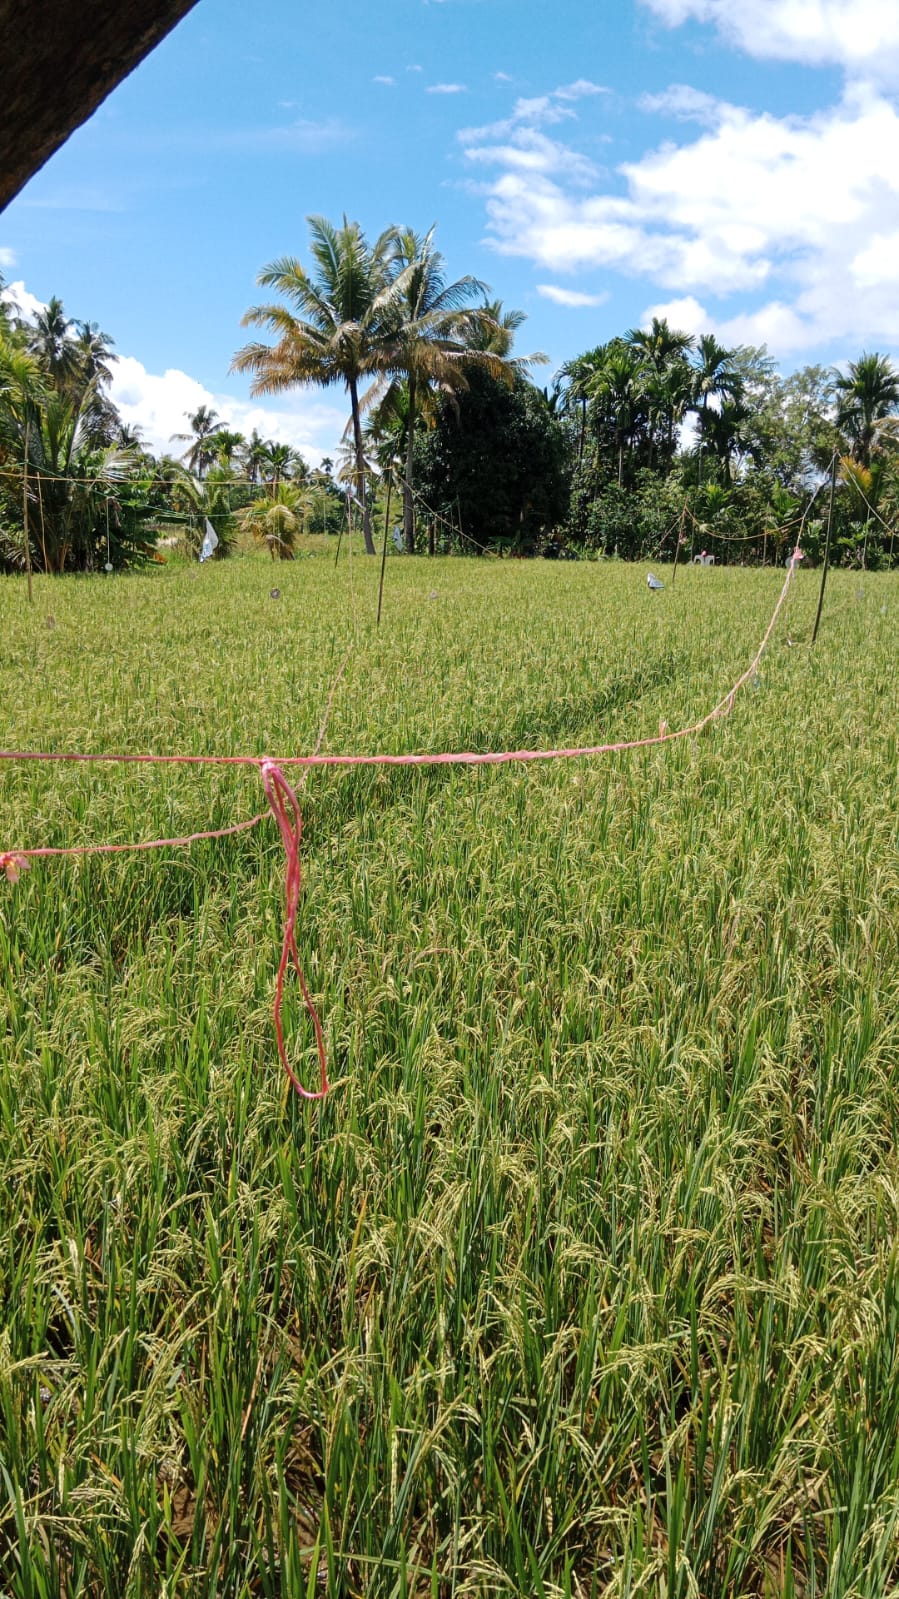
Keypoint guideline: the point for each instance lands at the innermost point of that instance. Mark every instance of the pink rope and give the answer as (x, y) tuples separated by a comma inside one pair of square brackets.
[(286, 811), (285, 807)]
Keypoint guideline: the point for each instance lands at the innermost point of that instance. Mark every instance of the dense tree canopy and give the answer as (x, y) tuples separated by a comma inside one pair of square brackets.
[(649, 442)]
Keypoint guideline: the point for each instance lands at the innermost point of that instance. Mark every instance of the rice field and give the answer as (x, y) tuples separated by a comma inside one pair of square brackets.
[(585, 1278)]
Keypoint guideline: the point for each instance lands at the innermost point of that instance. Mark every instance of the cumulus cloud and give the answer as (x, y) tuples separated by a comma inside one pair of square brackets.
[(861, 36), (800, 212), (7, 257), (158, 403), (570, 297), (16, 294)]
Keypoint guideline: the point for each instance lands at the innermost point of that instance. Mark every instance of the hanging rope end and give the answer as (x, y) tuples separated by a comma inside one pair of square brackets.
[(13, 865)]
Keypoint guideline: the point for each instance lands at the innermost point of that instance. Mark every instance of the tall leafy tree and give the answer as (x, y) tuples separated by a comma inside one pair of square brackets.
[(664, 351), (331, 328), (867, 395), (620, 391), (436, 335), (201, 452), (577, 377), (51, 341), (717, 377)]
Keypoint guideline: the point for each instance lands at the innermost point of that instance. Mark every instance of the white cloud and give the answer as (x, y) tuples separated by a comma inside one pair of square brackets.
[(502, 77), (774, 323), (861, 36), (535, 111), (25, 304), (569, 297), (7, 257), (159, 402), (528, 150), (446, 88), (688, 105), (801, 210), (578, 89), (383, 78)]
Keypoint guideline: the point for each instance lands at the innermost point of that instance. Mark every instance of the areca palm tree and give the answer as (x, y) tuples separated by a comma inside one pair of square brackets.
[(716, 377), (332, 328), (619, 390), (578, 377), (435, 332), (868, 397), (664, 350)]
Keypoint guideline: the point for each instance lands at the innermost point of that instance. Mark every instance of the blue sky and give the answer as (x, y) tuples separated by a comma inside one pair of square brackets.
[(735, 165)]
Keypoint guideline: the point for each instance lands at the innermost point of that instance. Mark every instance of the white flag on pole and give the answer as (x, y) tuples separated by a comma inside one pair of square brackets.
[(210, 542)]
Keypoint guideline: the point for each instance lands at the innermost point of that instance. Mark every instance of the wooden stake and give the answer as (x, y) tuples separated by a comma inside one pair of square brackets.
[(349, 519), (384, 550), (25, 515), (833, 490)]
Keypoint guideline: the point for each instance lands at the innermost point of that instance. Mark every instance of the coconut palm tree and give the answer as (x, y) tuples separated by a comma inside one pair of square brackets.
[(281, 461), (332, 328), (434, 333), (50, 341), (254, 455), (227, 444), (93, 353), (204, 425), (868, 397)]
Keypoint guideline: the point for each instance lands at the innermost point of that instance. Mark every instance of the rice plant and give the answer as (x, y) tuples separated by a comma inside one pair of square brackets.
[(584, 1280)]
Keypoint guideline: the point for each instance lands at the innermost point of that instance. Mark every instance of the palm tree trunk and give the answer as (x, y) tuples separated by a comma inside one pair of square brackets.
[(360, 469), (408, 505)]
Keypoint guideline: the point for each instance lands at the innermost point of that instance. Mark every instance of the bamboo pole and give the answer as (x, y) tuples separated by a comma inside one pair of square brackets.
[(349, 525), (25, 515), (833, 490)]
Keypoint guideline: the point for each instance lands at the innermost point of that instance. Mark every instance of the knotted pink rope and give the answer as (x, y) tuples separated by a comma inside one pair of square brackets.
[(285, 807)]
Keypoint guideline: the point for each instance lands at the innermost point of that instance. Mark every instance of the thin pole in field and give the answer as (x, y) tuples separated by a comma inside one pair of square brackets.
[(680, 534), (349, 525), (25, 513), (833, 490), (384, 549)]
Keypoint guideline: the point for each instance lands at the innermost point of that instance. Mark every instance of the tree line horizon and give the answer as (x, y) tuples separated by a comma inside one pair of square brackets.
[(446, 419)]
